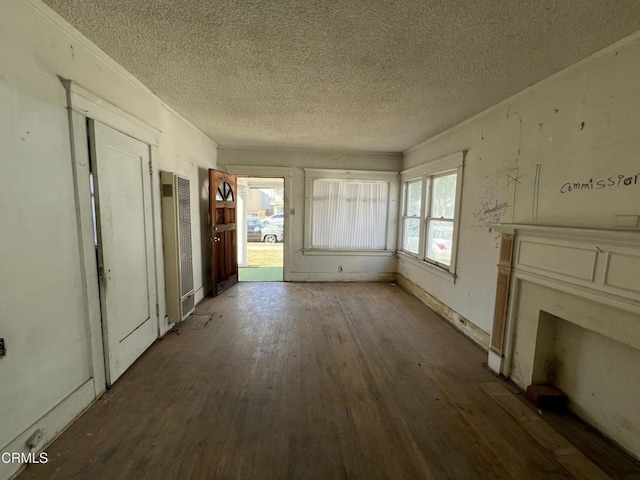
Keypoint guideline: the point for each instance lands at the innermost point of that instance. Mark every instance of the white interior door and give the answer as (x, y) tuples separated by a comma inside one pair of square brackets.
[(122, 178)]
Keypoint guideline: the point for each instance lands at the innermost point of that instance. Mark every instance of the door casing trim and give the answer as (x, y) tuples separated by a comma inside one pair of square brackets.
[(81, 105), (273, 172)]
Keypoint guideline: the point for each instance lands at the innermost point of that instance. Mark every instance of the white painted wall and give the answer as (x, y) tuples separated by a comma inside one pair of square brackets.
[(43, 316), (579, 125), (303, 267), (42, 312)]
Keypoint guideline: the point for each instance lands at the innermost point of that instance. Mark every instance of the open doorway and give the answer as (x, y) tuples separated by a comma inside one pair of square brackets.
[(260, 229)]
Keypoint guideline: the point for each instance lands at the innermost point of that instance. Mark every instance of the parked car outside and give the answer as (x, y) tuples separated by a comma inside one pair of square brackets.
[(254, 230), (272, 234), (440, 247), (439, 241), (277, 219)]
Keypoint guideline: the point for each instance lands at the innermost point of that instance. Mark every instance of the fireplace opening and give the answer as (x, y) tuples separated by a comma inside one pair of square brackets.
[(598, 375)]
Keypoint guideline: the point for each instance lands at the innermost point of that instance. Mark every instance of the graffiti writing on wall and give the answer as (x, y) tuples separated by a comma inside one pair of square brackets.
[(495, 201), (620, 180), (490, 213)]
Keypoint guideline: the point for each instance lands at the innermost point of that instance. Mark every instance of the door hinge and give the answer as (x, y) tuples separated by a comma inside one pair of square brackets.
[(150, 168), (158, 310)]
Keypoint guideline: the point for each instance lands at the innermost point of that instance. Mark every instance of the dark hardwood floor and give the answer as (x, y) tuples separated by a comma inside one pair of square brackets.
[(312, 381)]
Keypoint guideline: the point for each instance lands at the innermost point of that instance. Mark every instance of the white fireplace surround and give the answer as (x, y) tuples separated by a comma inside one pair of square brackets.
[(590, 279)]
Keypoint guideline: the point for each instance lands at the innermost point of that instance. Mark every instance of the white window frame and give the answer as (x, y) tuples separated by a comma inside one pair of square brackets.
[(404, 216), (425, 173), (391, 178)]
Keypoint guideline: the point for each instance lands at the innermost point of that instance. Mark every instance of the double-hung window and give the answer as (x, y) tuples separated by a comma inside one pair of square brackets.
[(412, 214), (430, 214), (440, 216)]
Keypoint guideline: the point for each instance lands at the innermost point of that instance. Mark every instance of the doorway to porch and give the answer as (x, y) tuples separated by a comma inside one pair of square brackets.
[(260, 229)]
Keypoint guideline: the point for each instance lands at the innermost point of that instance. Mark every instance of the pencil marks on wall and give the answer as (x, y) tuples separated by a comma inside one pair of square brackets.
[(489, 214), (505, 187), (494, 204), (513, 176), (536, 194), (514, 113)]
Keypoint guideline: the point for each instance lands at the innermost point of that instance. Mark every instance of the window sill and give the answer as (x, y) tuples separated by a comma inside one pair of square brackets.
[(428, 267), (339, 252)]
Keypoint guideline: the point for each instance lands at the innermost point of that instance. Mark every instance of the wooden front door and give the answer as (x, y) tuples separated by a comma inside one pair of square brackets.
[(224, 248)]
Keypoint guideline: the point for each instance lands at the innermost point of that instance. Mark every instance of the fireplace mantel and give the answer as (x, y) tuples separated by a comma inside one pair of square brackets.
[(600, 265), (632, 236), (589, 278), (605, 262)]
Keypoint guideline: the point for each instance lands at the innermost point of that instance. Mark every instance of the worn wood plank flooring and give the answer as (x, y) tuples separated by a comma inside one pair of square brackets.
[(304, 381)]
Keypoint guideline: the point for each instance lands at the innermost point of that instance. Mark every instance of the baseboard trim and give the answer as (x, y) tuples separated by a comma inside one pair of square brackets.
[(466, 326), (341, 277), (53, 423)]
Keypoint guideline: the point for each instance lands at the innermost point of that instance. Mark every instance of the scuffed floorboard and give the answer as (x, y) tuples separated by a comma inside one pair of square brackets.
[(307, 381)]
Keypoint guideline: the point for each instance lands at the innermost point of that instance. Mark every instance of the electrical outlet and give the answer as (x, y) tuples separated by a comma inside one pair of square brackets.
[(463, 321), (35, 438), (339, 268), (2, 350)]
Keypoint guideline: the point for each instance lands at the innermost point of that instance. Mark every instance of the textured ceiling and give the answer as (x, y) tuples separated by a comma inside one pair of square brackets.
[(368, 75)]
